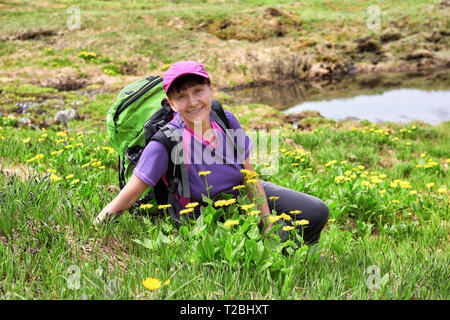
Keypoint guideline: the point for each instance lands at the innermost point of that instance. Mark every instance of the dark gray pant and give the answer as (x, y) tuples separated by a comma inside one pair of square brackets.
[(312, 209)]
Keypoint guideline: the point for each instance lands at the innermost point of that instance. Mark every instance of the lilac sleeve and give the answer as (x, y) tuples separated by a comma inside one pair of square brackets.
[(152, 164), (241, 137)]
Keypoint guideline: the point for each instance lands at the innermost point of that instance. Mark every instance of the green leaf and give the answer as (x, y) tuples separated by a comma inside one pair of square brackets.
[(253, 233), (314, 251), (206, 199), (184, 231), (228, 250)]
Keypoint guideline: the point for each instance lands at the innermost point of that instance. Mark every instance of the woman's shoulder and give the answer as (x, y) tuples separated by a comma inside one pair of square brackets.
[(232, 120)]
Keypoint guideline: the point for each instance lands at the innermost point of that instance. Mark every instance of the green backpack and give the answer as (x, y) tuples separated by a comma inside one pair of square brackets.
[(141, 113)]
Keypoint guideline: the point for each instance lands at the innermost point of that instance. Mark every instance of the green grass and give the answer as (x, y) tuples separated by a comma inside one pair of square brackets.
[(49, 242), (395, 225)]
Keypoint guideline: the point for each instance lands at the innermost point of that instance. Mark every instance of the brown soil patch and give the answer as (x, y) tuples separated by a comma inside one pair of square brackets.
[(19, 170)]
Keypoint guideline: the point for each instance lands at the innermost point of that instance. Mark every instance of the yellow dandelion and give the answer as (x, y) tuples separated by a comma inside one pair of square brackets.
[(295, 211), (382, 191), (152, 283), (186, 210), (274, 219), (288, 228), (442, 190), (430, 185), (273, 198), (238, 187), (413, 192), (164, 206), (26, 140), (230, 201), (301, 222), (395, 201), (145, 206), (192, 205), (167, 282), (230, 223), (74, 181), (330, 163), (366, 183), (55, 178), (331, 220), (246, 207), (70, 176), (101, 167), (252, 181), (285, 217), (204, 173), (254, 212), (85, 165)]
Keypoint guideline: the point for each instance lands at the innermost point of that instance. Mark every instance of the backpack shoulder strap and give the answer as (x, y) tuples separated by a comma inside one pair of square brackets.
[(219, 115), (176, 172)]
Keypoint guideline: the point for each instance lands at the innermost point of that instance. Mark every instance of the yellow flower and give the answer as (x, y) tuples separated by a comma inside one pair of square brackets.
[(70, 176), (101, 167), (382, 191), (69, 146), (85, 165), (254, 212), (295, 211), (365, 183), (285, 217), (192, 261), (430, 185), (167, 282), (146, 206), (186, 210), (273, 219), (152, 283), (442, 190), (192, 205), (395, 201), (413, 192), (230, 223), (360, 167), (74, 181), (248, 206), (238, 187), (330, 163), (55, 178), (273, 198), (331, 220), (288, 228), (204, 173), (164, 206), (26, 140), (51, 170), (252, 181), (231, 201), (301, 222)]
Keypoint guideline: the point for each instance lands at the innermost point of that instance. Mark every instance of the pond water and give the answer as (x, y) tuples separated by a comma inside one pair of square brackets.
[(399, 105), (394, 97)]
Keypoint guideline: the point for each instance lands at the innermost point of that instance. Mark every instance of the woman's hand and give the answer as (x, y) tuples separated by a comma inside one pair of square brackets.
[(124, 200)]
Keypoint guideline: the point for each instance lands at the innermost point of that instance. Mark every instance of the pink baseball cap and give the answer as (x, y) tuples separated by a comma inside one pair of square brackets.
[(182, 68)]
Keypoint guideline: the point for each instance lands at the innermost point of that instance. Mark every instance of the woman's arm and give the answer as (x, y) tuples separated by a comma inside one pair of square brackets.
[(124, 200), (265, 211)]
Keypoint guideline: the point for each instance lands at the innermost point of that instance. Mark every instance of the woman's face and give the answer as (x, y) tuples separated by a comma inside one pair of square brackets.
[(193, 103)]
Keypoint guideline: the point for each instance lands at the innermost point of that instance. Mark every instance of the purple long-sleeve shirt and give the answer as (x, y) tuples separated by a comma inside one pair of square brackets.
[(200, 155)]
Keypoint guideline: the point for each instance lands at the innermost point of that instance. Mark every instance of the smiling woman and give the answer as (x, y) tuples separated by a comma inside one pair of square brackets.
[(190, 95)]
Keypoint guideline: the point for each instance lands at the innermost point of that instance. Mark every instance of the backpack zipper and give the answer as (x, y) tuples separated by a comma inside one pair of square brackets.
[(132, 98)]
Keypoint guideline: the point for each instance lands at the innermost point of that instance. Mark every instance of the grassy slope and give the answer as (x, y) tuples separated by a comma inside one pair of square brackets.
[(46, 227)]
